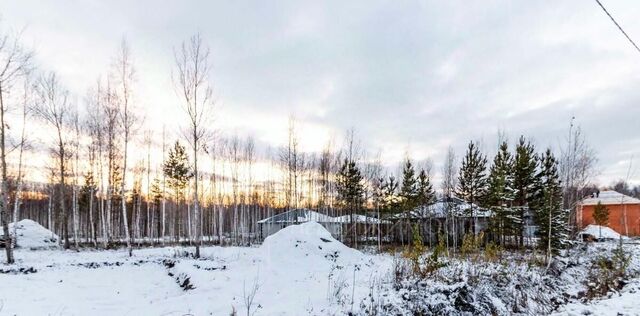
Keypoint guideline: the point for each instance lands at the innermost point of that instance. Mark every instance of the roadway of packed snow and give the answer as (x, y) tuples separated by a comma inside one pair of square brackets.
[(301, 270)]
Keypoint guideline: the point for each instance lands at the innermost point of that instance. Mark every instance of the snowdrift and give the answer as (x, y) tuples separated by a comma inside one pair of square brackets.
[(306, 243), (32, 235), (603, 232)]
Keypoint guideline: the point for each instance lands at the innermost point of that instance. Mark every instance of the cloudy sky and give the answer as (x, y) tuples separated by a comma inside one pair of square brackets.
[(408, 76)]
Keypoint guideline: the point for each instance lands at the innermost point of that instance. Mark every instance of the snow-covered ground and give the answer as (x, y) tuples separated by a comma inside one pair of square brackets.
[(627, 302), (301, 270), (298, 271)]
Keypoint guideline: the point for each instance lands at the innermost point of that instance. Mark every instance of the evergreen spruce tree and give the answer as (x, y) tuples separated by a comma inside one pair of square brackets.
[(500, 194), (350, 188), (177, 170), (156, 198), (426, 194), (601, 216), (551, 218), (156, 191), (391, 200), (524, 180), (409, 188), (472, 179), (87, 197), (86, 191)]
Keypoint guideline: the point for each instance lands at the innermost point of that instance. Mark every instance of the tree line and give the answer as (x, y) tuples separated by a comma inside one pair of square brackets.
[(206, 188)]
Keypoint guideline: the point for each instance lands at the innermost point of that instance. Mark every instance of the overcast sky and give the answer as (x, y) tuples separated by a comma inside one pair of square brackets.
[(407, 76)]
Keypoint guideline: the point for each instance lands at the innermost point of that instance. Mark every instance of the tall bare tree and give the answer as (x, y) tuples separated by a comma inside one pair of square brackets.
[(15, 61), (124, 72), (111, 115), (577, 168), (96, 128), (26, 100), (76, 169), (193, 84), (53, 106), (449, 184), (290, 159)]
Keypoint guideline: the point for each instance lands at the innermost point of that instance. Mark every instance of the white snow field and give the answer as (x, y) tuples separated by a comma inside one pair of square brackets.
[(291, 270), (301, 270), (627, 302)]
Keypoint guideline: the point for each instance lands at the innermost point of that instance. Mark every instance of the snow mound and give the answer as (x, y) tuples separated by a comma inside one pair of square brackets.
[(32, 235), (307, 242), (603, 232)]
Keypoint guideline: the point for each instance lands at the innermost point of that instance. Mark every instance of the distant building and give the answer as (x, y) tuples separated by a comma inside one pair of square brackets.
[(432, 218), (335, 225), (624, 212), (273, 224)]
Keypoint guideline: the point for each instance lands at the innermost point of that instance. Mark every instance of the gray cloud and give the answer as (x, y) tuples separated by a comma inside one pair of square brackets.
[(416, 75)]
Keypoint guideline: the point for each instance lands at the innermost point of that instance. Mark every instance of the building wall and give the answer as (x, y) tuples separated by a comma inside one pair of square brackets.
[(616, 218)]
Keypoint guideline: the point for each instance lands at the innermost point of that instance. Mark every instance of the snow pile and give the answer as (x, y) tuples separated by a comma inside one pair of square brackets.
[(32, 235), (306, 243), (601, 232)]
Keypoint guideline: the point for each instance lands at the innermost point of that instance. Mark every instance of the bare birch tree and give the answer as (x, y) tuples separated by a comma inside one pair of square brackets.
[(124, 73), (449, 184), (15, 61), (53, 107), (577, 169), (26, 99), (193, 83)]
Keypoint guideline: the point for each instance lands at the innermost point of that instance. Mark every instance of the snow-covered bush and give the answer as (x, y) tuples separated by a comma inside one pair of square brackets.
[(479, 288), (609, 272)]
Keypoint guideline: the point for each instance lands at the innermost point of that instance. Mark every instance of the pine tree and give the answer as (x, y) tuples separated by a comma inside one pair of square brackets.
[(551, 218), (524, 179), (426, 194), (472, 180), (86, 191), (86, 199), (177, 169), (350, 188), (601, 216), (409, 188), (391, 200), (156, 196), (500, 193), (156, 191)]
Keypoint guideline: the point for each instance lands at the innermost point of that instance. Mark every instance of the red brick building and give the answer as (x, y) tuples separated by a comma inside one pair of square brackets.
[(624, 212)]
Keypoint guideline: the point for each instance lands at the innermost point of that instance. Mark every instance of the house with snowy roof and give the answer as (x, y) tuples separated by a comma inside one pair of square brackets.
[(364, 225), (624, 212), (273, 224), (432, 218)]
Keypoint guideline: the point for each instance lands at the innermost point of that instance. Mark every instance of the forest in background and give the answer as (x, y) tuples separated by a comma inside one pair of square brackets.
[(213, 187)]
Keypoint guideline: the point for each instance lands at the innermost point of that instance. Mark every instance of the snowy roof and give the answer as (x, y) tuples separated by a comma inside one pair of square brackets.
[(299, 215), (361, 219), (610, 198), (441, 206), (303, 215)]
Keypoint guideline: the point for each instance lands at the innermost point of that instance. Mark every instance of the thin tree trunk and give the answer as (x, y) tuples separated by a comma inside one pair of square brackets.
[(123, 197), (5, 187)]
